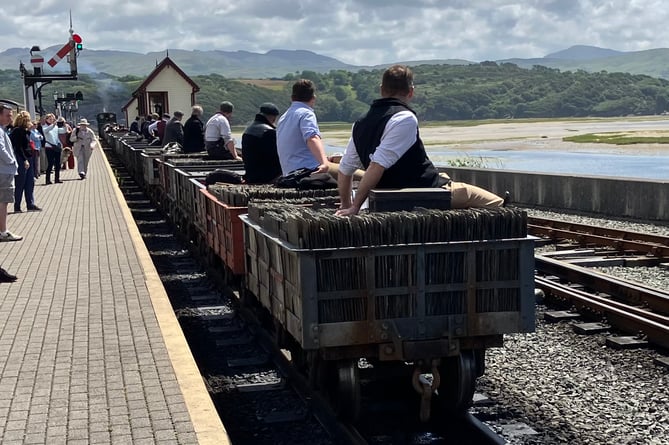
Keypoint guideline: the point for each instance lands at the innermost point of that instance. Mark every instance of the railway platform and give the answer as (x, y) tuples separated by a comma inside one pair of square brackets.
[(90, 349)]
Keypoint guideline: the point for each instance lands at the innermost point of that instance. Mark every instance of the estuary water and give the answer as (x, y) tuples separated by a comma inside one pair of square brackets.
[(641, 166), (577, 163), (540, 147)]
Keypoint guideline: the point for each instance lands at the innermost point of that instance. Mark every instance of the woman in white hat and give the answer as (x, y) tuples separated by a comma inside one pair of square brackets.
[(84, 140)]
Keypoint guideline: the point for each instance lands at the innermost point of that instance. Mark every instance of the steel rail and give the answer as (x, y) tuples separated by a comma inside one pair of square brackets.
[(621, 289), (622, 319), (564, 290), (487, 436), (650, 244)]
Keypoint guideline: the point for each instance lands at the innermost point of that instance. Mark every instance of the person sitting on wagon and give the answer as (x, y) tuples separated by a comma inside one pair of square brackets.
[(261, 161), (150, 119), (157, 128), (387, 145), (194, 131), (218, 138), (298, 138), (134, 127), (174, 130)]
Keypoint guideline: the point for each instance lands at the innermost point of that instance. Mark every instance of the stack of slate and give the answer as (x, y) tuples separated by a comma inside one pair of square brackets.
[(199, 161), (235, 195), (319, 228), (452, 256)]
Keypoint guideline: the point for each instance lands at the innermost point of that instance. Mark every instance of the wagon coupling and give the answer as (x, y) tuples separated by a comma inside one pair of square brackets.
[(426, 384)]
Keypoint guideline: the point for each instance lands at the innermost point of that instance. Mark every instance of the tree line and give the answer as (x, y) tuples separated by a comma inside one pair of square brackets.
[(497, 91), (486, 90)]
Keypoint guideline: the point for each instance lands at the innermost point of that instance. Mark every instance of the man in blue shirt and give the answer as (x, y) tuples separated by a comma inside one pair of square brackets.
[(298, 138), (52, 146)]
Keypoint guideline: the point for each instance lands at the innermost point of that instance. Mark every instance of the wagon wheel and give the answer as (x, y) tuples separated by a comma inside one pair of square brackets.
[(479, 355), (339, 382), (246, 299), (458, 382)]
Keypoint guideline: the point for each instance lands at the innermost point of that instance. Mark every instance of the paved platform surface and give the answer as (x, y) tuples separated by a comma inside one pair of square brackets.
[(90, 350)]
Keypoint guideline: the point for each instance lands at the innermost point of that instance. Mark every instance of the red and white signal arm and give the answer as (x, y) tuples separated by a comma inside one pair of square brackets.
[(74, 42), (60, 54)]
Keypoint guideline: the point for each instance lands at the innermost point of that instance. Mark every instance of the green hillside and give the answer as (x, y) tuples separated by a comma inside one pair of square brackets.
[(443, 92), (652, 62)]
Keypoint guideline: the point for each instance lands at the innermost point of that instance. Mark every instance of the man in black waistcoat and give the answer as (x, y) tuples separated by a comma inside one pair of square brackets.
[(261, 160), (386, 144)]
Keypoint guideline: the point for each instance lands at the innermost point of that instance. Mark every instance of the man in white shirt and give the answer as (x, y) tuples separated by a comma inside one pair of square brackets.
[(387, 145), (218, 136)]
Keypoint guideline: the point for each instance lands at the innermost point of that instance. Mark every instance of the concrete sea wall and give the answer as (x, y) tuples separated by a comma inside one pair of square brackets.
[(621, 197)]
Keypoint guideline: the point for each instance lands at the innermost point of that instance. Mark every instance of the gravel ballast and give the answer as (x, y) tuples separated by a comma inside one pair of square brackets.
[(572, 389)]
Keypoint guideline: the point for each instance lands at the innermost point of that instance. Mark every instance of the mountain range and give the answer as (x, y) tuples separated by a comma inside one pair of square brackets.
[(277, 63)]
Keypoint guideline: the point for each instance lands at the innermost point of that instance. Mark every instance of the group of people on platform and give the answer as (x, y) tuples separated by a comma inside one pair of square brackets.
[(63, 144), (384, 151), (26, 145)]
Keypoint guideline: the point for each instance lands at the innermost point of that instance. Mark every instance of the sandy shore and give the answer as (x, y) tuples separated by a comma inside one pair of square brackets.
[(535, 136)]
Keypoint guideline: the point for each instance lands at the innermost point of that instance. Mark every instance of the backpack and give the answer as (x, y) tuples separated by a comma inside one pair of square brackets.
[(222, 175), (292, 179), (317, 181)]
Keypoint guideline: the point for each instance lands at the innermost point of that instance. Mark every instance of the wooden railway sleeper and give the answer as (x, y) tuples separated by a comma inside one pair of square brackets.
[(426, 385)]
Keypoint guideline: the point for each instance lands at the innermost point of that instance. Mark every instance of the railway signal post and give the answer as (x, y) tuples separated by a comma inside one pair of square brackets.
[(34, 79)]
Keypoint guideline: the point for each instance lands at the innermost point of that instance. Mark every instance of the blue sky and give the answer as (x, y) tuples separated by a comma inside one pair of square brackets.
[(361, 32)]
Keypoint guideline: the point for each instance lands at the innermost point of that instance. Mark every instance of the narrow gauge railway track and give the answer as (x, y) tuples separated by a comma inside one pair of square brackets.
[(585, 235), (630, 307), (258, 403), (629, 319), (632, 294), (261, 397)]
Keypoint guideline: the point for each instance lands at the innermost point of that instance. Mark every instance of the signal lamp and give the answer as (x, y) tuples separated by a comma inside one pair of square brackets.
[(78, 42)]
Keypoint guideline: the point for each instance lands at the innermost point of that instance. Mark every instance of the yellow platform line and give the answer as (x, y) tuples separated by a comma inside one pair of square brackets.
[(206, 421)]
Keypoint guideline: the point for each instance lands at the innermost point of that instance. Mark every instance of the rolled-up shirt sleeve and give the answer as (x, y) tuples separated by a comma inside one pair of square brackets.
[(226, 131), (350, 162), (309, 126), (399, 135)]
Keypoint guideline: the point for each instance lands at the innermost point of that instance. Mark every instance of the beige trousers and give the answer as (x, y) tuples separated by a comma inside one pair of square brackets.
[(334, 171), (465, 195)]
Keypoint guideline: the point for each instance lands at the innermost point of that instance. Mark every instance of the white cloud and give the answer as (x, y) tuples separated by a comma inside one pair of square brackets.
[(361, 32)]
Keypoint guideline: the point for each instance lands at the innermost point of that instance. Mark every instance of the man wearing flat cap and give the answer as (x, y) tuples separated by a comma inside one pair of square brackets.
[(261, 160)]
